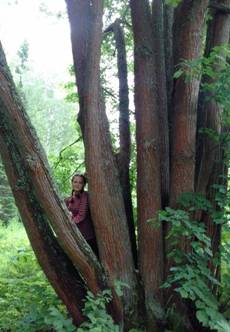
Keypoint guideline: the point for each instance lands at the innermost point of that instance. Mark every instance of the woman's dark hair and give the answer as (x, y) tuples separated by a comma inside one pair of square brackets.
[(82, 176), (84, 182)]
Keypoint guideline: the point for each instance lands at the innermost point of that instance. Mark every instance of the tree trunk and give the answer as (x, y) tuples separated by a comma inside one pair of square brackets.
[(168, 46), (210, 154), (123, 156), (217, 35), (188, 30), (161, 92), (148, 161), (107, 205), (17, 158)]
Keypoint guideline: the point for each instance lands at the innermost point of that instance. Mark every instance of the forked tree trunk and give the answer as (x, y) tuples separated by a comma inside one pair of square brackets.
[(148, 161), (107, 205)]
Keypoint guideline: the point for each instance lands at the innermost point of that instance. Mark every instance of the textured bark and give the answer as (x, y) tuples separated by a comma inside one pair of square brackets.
[(148, 161), (188, 28), (107, 205), (168, 45), (161, 91), (123, 156), (17, 158), (217, 35), (210, 154), (188, 31)]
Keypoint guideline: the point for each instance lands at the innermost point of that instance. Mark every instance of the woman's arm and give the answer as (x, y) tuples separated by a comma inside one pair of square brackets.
[(83, 209)]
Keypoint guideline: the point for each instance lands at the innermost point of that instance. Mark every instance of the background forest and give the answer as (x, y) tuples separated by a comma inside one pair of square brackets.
[(27, 301)]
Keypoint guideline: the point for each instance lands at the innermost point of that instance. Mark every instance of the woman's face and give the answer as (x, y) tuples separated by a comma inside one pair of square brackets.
[(77, 183)]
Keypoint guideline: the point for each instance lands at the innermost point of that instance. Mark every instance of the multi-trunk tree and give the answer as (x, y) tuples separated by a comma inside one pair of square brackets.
[(172, 158)]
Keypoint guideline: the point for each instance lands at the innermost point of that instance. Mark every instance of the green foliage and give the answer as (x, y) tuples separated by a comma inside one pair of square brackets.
[(69, 161), (7, 206), (190, 274), (173, 3), (98, 319), (57, 320), (43, 98), (23, 54), (225, 270), (70, 87), (216, 70), (27, 301)]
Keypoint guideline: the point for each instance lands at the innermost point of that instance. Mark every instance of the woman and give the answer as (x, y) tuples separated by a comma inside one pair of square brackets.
[(78, 205)]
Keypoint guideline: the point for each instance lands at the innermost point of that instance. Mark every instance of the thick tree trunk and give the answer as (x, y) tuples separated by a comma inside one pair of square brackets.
[(188, 31), (148, 161), (107, 205), (217, 35), (20, 152), (211, 164)]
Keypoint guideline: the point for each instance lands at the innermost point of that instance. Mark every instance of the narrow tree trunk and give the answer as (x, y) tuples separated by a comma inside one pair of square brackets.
[(148, 161), (123, 156), (106, 199), (161, 90), (168, 46)]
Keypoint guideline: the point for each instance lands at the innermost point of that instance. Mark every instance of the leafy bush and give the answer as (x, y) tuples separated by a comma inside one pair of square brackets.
[(95, 311), (190, 275)]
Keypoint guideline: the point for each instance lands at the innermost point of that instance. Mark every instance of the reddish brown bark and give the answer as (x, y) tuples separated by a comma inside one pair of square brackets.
[(106, 199), (217, 35), (53, 260), (211, 156), (123, 156), (188, 31), (148, 161), (161, 95), (168, 46)]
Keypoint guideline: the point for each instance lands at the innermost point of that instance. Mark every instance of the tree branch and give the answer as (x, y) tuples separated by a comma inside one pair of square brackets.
[(65, 148)]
